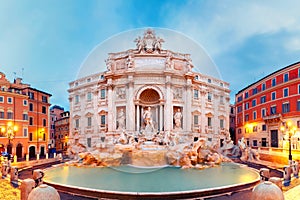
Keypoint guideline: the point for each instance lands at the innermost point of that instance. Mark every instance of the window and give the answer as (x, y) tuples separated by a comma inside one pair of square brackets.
[(254, 143), (273, 110), (89, 142), (196, 118), (298, 105), (239, 109), (1, 114), (298, 124), (89, 96), (76, 123), (246, 95), (221, 84), (1, 99), (254, 91), (254, 115), (263, 112), (253, 102), (44, 122), (209, 121), (30, 136), (263, 87), (221, 99), (103, 120), (25, 116), (240, 98), (274, 82), (221, 123), (30, 107), (239, 131), (44, 137), (247, 106), (263, 99), (9, 100), (286, 77), (209, 80), (286, 92), (44, 99), (76, 99), (273, 95), (209, 97), (25, 132), (196, 94), (89, 121), (196, 77), (102, 94), (299, 89), (264, 127), (263, 142), (10, 115), (25, 102), (30, 120), (44, 110), (246, 117), (88, 80), (285, 107), (31, 95)]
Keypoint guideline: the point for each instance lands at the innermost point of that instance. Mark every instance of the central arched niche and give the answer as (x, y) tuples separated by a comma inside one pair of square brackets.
[(149, 96)]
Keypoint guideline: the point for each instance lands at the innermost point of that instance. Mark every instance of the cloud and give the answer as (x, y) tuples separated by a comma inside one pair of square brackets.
[(223, 25)]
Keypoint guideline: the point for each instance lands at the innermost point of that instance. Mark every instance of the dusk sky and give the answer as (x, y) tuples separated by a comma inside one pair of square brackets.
[(45, 42)]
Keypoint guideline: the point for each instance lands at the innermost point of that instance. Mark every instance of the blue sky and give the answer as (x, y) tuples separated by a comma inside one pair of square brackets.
[(50, 39)]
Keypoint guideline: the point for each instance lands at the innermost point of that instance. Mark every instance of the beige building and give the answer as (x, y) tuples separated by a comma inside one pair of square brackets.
[(148, 90)]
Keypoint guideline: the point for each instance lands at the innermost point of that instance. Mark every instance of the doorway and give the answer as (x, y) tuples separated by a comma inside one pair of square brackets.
[(274, 138), (32, 152), (19, 150)]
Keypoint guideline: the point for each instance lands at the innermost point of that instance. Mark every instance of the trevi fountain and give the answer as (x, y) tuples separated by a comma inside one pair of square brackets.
[(150, 127)]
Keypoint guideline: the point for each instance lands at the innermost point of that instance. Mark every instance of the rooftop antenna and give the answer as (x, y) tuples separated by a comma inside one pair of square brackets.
[(22, 72)]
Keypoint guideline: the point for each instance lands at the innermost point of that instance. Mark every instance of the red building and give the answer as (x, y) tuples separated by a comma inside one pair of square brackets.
[(265, 106), (24, 118)]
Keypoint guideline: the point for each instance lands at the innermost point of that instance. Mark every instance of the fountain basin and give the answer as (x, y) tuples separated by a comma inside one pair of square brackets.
[(128, 182)]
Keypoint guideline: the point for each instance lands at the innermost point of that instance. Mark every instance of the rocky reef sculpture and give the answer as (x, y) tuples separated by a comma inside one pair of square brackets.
[(163, 149)]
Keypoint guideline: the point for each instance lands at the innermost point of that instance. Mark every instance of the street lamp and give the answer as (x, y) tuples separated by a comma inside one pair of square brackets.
[(10, 131), (290, 131)]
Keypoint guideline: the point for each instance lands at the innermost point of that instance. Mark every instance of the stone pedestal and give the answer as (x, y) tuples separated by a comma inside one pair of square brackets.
[(264, 174), (44, 192), (267, 191), (4, 170), (277, 181), (38, 176), (14, 175), (26, 187), (296, 169), (15, 158), (287, 175), (27, 157)]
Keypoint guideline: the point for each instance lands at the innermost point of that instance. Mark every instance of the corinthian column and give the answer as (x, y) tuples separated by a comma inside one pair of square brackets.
[(110, 115), (130, 111)]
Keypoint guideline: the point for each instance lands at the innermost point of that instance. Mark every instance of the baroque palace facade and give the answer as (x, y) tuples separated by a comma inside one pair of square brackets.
[(265, 108), (24, 118), (148, 90)]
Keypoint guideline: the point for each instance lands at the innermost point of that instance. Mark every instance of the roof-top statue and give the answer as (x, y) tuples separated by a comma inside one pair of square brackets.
[(149, 43)]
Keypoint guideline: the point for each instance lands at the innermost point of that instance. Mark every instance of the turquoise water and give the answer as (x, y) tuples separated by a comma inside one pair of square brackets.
[(167, 179)]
